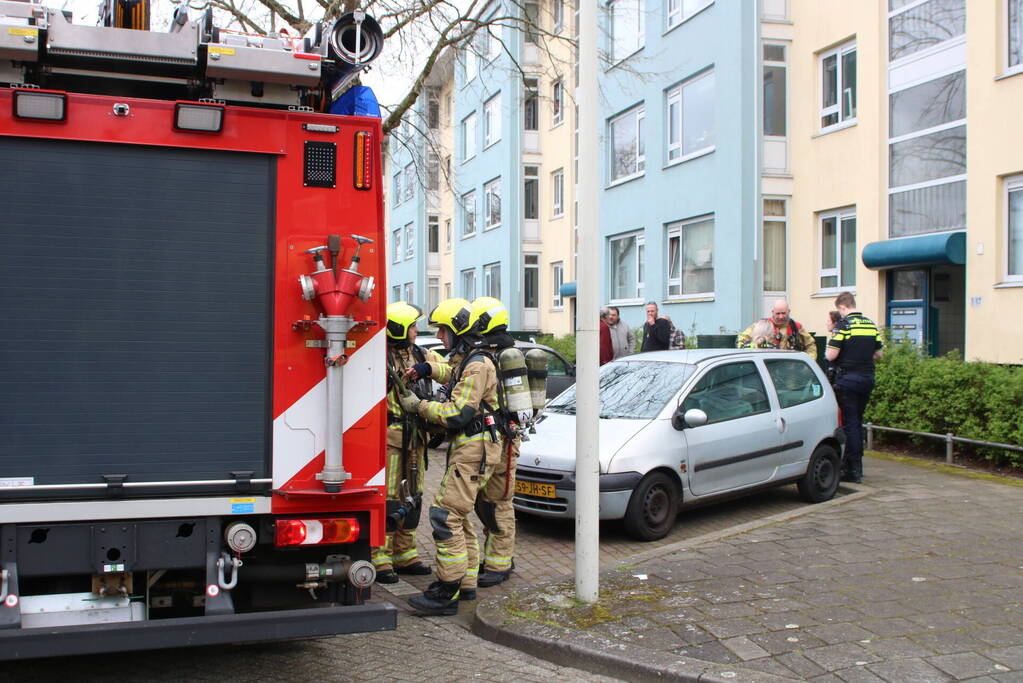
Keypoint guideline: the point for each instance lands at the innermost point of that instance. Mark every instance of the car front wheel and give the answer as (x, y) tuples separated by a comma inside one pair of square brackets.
[(653, 507), (821, 479)]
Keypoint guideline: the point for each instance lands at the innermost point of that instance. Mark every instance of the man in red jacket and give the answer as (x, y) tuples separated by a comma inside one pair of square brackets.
[(607, 352)]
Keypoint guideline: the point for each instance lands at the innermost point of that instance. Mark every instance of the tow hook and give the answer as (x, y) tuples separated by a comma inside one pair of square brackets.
[(223, 562)]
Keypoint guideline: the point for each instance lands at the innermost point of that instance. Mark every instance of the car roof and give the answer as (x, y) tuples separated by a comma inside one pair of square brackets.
[(697, 356)]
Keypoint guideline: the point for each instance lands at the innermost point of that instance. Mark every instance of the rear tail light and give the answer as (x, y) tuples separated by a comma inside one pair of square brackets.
[(292, 532), (202, 117), (363, 160)]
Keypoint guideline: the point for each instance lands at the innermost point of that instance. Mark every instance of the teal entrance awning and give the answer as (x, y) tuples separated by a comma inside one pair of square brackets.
[(920, 250), (568, 289)]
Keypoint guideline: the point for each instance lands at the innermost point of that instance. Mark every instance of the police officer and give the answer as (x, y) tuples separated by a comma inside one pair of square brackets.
[(494, 503), (406, 448), (854, 347), (470, 416)]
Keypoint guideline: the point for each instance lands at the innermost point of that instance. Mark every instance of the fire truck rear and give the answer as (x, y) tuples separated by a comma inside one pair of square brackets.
[(192, 375)]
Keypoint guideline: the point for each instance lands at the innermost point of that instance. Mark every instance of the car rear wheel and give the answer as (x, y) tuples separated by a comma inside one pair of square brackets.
[(821, 479), (653, 507)]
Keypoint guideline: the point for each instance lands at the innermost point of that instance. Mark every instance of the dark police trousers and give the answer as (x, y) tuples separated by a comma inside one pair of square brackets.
[(853, 390)]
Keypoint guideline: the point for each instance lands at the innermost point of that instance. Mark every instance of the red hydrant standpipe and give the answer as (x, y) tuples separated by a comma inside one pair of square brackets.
[(335, 293)]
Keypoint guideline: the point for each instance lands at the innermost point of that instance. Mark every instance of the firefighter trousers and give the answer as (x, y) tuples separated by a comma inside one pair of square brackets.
[(449, 515), (499, 543), (399, 549)]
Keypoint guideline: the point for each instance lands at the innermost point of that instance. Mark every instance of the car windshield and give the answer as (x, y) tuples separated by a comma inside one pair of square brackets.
[(632, 390)]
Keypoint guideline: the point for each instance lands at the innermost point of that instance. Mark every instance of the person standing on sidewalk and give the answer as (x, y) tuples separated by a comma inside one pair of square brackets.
[(607, 352), (656, 331), (854, 347), (474, 449), (623, 341)]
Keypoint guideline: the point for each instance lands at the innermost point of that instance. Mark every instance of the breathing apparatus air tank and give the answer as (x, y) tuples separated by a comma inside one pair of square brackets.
[(511, 372), (536, 362)]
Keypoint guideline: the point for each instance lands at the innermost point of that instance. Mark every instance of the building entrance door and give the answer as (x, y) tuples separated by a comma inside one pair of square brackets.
[(926, 307)]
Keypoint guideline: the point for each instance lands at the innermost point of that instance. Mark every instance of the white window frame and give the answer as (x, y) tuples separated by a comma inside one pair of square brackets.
[(396, 189), (675, 230), (469, 273), (557, 103), (676, 14), (558, 15), (839, 215), (558, 193), (557, 279), (1010, 69), (395, 293), (531, 264), (640, 37), (410, 180), (410, 240), (490, 282), (1012, 184), (469, 199), (410, 292), (432, 228), (534, 176), (640, 290), (432, 293), (469, 134), (784, 219), (492, 121), (837, 52), (676, 97), (490, 190), (640, 113), (396, 245), (448, 237)]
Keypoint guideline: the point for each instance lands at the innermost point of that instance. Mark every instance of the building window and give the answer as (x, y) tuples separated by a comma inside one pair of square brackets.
[(558, 11), (775, 227), (447, 234), (680, 10), (557, 103), (409, 292), (469, 59), (838, 249), (432, 293), (531, 11), (469, 214), (530, 105), (432, 234), (490, 36), (927, 157), (775, 90), (1015, 21), (492, 280), (469, 137), (395, 293), (531, 193), (531, 281), (691, 117), (557, 279), (558, 193), (432, 108), (492, 120), (396, 244), (410, 240), (396, 189), (626, 254), (492, 204), (469, 284), (432, 171), (410, 181), (691, 258), (1014, 229), (627, 29), (838, 86), (628, 149), (923, 25), (447, 290)]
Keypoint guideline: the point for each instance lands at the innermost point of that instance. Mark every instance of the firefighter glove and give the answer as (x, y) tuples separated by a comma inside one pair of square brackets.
[(410, 403), (422, 370)]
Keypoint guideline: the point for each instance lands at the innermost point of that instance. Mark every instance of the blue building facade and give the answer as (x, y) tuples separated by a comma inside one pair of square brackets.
[(679, 204)]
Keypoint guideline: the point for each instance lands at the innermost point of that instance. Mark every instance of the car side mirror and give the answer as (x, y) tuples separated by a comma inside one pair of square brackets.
[(694, 417)]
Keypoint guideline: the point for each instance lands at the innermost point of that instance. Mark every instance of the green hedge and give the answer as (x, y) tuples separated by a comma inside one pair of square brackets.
[(564, 345), (946, 395)]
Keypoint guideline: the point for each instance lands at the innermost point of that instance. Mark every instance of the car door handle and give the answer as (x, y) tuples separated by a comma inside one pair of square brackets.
[(780, 423)]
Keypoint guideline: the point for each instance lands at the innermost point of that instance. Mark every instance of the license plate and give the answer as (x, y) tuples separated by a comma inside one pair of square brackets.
[(532, 488)]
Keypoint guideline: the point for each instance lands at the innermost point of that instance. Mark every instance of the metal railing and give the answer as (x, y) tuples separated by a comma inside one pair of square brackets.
[(949, 440)]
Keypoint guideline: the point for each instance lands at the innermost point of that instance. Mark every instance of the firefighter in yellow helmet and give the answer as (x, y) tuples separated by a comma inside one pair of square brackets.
[(471, 416), (494, 503), (406, 448)]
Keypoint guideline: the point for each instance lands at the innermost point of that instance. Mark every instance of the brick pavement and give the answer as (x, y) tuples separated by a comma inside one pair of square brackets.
[(919, 579)]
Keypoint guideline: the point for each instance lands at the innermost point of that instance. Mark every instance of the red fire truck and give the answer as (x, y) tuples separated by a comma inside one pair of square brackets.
[(192, 375)]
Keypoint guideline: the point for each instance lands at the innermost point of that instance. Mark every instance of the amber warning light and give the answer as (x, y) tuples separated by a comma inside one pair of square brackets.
[(292, 532), (363, 160)]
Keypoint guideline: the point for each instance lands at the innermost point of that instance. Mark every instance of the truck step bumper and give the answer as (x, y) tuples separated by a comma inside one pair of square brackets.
[(312, 622)]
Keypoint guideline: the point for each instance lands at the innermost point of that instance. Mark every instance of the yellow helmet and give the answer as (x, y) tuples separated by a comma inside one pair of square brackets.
[(455, 314), (401, 315), (488, 314)]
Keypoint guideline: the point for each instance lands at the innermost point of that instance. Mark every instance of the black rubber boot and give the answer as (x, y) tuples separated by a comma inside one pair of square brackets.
[(415, 569), (489, 578), (439, 599), (467, 594), (386, 576)]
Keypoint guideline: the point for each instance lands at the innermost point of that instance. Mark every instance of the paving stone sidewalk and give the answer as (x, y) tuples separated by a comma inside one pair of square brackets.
[(916, 577)]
